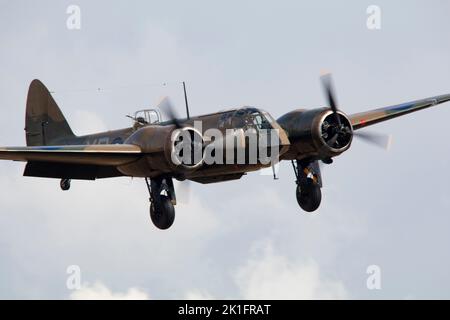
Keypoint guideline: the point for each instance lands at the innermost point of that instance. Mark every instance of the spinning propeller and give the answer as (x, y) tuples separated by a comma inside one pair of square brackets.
[(334, 131), (183, 187), (167, 108)]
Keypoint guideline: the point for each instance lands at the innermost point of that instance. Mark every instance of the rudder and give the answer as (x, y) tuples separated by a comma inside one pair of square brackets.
[(44, 122)]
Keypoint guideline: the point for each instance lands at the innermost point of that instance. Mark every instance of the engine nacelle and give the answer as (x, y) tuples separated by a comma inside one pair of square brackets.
[(316, 133), (185, 149), (164, 147)]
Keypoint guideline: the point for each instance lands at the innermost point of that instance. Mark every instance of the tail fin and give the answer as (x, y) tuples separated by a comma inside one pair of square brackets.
[(44, 122)]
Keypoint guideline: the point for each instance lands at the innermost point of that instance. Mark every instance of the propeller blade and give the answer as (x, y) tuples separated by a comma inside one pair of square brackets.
[(327, 83), (168, 110), (333, 140), (380, 140)]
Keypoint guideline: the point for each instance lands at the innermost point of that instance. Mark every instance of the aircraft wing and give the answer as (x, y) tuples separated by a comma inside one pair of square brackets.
[(367, 118), (100, 155)]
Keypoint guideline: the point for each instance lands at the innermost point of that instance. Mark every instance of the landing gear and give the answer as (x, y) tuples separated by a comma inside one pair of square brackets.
[(162, 213), (162, 201), (65, 184), (309, 195), (309, 184)]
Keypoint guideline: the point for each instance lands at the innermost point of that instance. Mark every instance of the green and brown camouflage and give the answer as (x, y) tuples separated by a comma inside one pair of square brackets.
[(368, 118), (143, 150), (155, 149)]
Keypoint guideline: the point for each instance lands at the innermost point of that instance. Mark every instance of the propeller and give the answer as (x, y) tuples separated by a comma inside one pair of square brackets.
[(167, 108), (383, 141), (327, 84), (182, 188), (379, 140)]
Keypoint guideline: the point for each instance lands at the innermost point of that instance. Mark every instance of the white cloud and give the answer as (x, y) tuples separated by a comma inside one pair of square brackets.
[(86, 122), (198, 295), (273, 276), (98, 291), (266, 275)]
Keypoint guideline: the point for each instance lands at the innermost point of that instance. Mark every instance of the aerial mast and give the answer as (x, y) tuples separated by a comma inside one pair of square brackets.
[(186, 100)]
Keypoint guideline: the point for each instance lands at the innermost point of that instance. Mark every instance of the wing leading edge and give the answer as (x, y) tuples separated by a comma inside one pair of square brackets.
[(367, 118), (99, 155)]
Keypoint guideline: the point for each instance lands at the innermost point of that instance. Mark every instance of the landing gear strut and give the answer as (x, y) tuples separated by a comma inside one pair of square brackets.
[(309, 184), (162, 201), (65, 184)]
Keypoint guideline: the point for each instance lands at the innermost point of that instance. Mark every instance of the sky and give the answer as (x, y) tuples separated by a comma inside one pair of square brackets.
[(245, 239)]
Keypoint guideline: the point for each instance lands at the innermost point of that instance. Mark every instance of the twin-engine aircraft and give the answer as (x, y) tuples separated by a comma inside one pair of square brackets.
[(147, 149)]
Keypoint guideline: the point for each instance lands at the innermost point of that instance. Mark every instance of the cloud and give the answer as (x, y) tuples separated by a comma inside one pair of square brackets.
[(198, 295), (273, 276), (268, 275), (98, 291), (265, 275), (87, 122)]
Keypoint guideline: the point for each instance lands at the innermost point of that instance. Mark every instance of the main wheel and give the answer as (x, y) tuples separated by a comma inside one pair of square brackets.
[(65, 184), (162, 213), (309, 195)]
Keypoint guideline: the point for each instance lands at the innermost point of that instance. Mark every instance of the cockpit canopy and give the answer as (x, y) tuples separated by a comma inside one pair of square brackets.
[(147, 116), (252, 117)]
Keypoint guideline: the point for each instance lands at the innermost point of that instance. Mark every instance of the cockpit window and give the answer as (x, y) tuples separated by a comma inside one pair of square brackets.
[(257, 120), (147, 116), (252, 117), (268, 117), (260, 120)]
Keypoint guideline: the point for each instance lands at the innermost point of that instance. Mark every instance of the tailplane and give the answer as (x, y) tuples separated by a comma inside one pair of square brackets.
[(45, 124)]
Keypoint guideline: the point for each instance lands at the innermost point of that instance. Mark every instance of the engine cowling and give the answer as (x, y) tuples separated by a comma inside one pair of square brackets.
[(185, 149), (316, 133), (162, 145)]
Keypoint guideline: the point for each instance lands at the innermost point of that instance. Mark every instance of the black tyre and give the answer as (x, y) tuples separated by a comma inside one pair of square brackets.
[(162, 213), (309, 195), (65, 184)]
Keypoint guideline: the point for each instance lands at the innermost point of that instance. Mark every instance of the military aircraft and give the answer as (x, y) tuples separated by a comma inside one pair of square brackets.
[(145, 150)]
